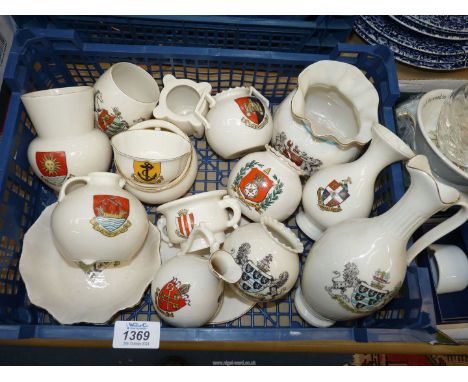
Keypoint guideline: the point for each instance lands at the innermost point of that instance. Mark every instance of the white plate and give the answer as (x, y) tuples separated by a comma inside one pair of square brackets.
[(234, 305), (72, 295)]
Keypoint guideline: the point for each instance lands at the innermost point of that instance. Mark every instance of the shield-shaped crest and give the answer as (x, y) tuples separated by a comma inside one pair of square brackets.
[(366, 297), (147, 172), (111, 214), (253, 110), (172, 297), (331, 197), (253, 279), (52, 166), (256, 185), (184, 223)]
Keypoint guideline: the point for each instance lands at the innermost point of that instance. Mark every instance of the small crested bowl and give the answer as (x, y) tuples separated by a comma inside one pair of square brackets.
[(239, 121), (176, 189), (151, 159)]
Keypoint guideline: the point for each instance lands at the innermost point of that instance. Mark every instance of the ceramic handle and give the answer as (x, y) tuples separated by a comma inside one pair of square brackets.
[(260, 96), (161, 224), (206, 96), (214, 245), (159, 124), (63, 190), (232, 204), (441, 230)]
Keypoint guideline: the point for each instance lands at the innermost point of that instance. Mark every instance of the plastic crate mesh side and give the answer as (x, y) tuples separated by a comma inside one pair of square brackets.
[(274, 78)]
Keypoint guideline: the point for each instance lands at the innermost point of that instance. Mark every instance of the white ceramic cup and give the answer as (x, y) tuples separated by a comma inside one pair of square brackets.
[(179, 218), (124, 95), (425, 134), (449, 265), (152, 154), (62, 112)]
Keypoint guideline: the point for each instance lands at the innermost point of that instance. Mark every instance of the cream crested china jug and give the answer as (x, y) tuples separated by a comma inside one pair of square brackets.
[(266, 182), (239, 121), (344, 191), (67, 143), (358, 266), (187, 290), (98, 221), (267, 253)]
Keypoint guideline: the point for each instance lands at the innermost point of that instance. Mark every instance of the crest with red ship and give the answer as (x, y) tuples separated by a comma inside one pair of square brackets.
[(172, 297), (254, 112), (52, 166), (111, 214)]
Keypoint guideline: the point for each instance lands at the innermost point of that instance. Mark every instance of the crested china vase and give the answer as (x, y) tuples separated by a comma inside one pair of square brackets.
[(266, 183), (98, 221), (67, 143), (346, 191), (294, 139), (267, 253), (187, 290), (358, 266)]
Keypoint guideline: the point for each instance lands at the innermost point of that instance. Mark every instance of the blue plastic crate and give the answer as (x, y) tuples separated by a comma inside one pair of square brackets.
[(308, 34), (52, 58)]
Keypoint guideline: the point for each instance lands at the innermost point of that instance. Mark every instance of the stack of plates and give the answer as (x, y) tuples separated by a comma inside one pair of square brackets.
[(429, 42)]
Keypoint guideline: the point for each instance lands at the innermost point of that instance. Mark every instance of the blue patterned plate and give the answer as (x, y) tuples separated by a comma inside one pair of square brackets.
[(408, 56), (455, 24), (408, 22), (402, 36)]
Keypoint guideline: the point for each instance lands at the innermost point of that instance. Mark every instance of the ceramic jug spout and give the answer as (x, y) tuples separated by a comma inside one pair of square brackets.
[(224, 267)]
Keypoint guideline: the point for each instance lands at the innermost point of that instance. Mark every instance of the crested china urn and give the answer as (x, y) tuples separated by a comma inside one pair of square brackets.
[(358, 266), (266, 183), (95, 220)]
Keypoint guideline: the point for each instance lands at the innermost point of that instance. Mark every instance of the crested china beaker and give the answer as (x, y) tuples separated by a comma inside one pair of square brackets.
[(358, 266), (265, 182)]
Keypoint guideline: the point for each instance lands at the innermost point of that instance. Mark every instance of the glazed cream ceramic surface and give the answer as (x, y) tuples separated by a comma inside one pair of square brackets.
[(187, 291), (67, 143), (91, 294), (344, 191), (98, 222), (337, 102), (179, 218), (239, 122), (426, 135), (175, 190), (149, 157), (124, 95), (265, 182), (233, 305), (449, 265), (358, 266), (267, 253), (294, 139), (182, 102)]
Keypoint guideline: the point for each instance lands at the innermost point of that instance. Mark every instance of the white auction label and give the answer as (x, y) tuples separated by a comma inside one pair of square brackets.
[(136, 335)]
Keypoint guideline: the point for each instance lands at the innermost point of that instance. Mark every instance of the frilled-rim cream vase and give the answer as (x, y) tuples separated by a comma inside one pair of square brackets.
[(358, 266)]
